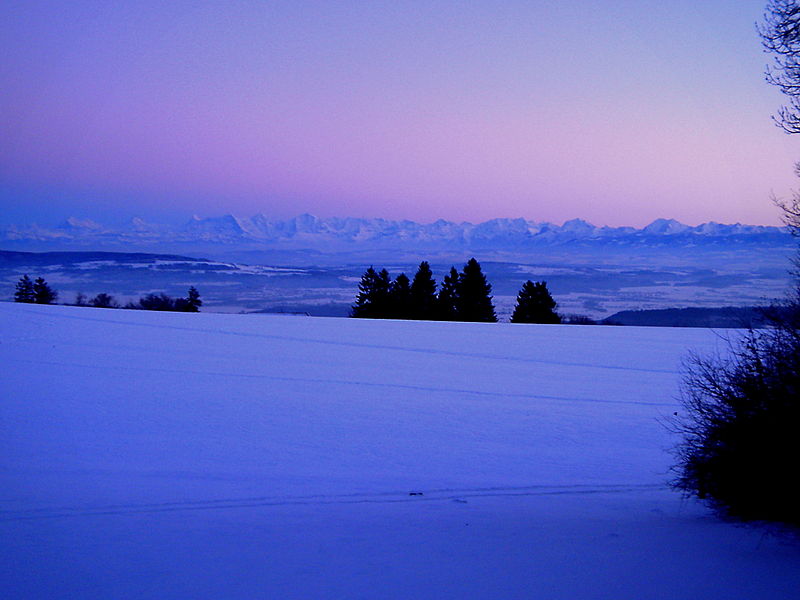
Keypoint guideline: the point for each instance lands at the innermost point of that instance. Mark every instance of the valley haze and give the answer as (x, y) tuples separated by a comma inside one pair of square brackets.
[(312, 265)]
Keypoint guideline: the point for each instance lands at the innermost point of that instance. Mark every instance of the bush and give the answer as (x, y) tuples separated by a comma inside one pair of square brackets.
[(104, 301), (740, 449), (581, 320), (161, 301)]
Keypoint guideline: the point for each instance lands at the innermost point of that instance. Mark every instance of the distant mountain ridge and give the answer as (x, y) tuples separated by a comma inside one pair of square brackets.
[(308, 231)]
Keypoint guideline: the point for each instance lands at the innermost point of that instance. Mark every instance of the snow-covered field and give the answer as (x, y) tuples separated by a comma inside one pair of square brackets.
[(168, 455)]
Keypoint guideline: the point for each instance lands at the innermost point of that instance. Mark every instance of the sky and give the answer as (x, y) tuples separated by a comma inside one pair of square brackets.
[(618, 112)]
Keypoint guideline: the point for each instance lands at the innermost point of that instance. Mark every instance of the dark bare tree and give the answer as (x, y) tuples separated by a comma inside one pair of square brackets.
[(780, 35)]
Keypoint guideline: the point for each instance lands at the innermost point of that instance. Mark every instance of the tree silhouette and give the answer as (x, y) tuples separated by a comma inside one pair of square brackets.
[(741, 413), (447, 300), (191, 303), (739, 427), (780, 36), (535, 304), (423, 294), (463, 296), (373, 295), (104, 300), (24, 291), (382, 305), (156, 302), (474, 300), (400, 298), (43, 293), (194, 300), (363, 307)]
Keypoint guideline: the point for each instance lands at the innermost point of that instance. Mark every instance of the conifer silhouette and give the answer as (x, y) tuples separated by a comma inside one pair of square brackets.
[(191, 303), (24, 290), (447, 300), (535, 304), (400, 298), (423, 294), (474, 300), (43, 293), (372, 301)]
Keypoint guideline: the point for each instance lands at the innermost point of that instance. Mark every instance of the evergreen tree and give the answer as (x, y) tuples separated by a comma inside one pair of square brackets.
[(373, 295), (535, 305), (193, 297), (474, 300), (447, 300), (423, 294), (382, 300), (400, 298), (366, 295), (191, 303), (43, 293), (24, 291)]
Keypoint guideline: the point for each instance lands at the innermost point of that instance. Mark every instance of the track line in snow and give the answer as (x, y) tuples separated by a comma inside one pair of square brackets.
[(402, 386), (323, 499), (337, 343)]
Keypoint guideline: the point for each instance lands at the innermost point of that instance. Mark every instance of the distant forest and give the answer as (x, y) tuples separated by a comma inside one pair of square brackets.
[(736, 317), (40, 292)]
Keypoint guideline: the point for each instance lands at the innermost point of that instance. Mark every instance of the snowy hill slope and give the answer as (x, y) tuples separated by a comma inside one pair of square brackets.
[(152, 455)]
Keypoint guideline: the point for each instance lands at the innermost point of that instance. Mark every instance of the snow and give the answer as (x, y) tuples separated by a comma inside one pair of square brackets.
[(168, 455)]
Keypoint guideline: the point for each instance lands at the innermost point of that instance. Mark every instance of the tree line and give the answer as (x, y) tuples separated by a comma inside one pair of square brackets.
[(462, 296), (34, 292), (39, 292)]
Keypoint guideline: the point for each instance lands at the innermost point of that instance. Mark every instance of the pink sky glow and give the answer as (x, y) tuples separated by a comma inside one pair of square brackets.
[(617, 113)]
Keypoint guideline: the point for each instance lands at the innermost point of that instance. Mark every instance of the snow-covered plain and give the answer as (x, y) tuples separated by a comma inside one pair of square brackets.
[(165, 455)]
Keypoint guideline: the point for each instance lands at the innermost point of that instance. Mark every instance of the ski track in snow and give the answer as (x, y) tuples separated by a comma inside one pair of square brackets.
[(361, 498), (402, 386), (303, 340)]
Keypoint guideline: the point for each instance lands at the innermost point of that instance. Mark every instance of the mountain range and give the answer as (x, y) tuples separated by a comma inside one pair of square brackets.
[(308, 231)]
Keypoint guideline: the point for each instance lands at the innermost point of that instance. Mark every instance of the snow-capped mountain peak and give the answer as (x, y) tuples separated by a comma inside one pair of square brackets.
[(665, 227), (307, 231)]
